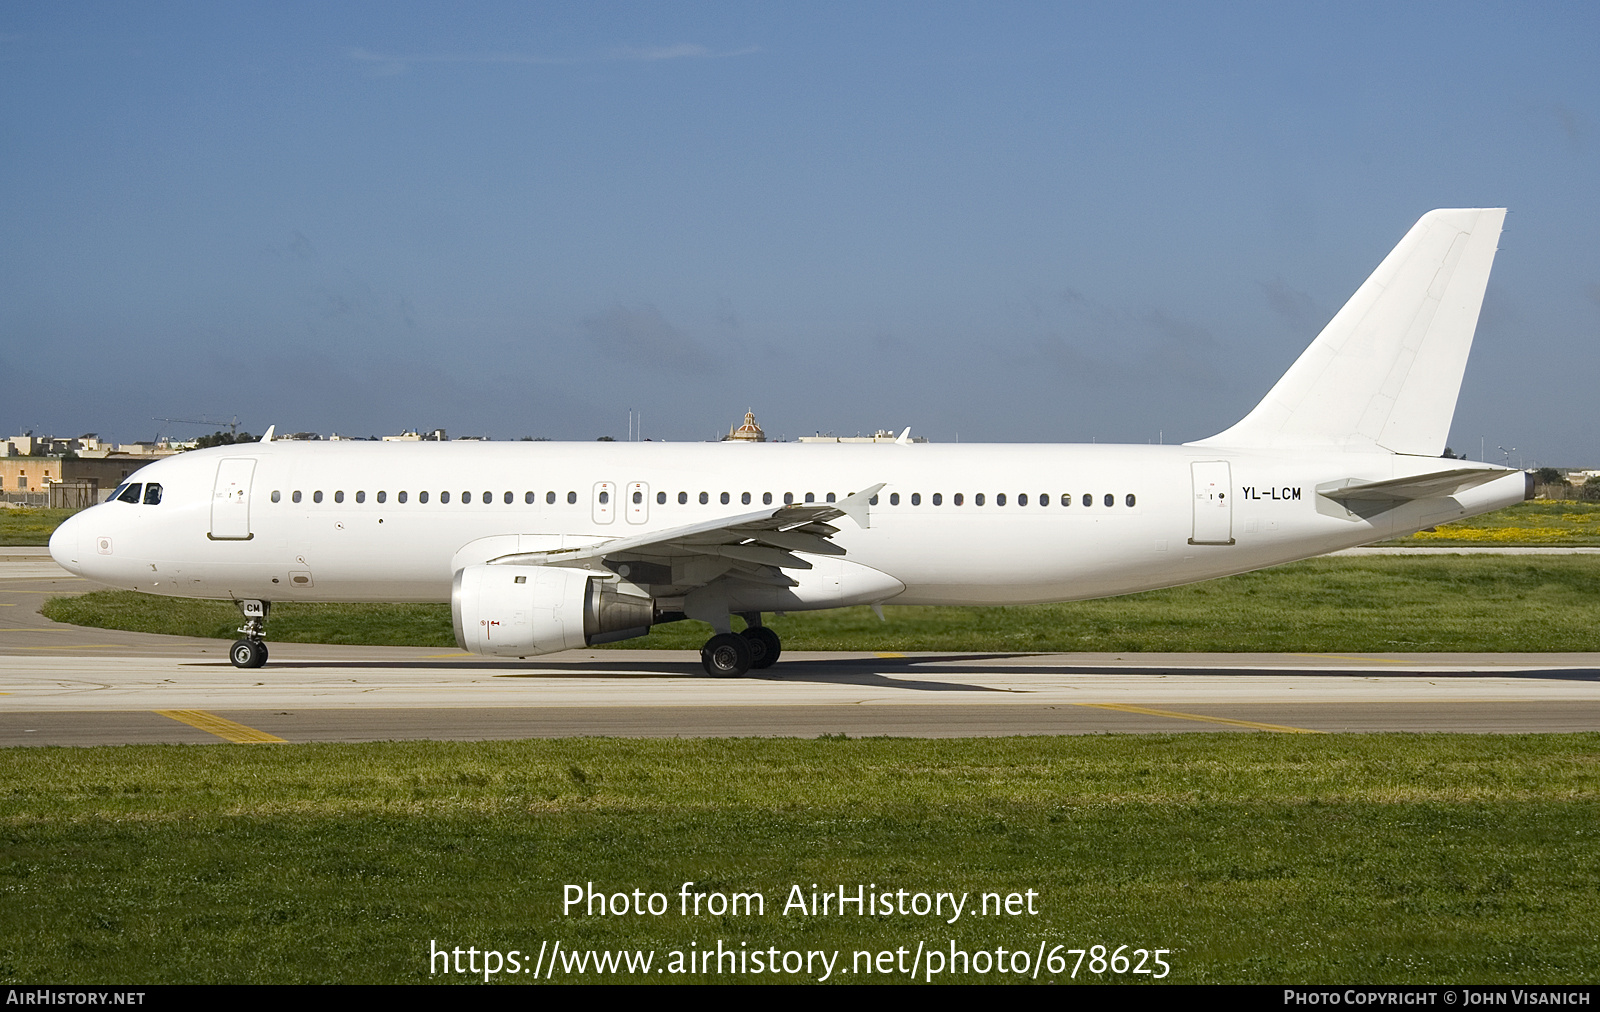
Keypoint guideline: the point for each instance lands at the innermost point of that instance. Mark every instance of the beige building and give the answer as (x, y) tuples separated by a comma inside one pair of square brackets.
[(34, 476)]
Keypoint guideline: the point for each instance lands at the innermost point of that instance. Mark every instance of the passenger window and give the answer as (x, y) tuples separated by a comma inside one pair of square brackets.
[(977, 500), (296, 495), (1088, 500), (528, 498), (422, 497), (1000, 499), (958, 499), (724, 498), (745, 498), (810, 497), (766, 498), (788, 499), (276, 495), (1044, 498), (638, 497), (152, 494), (873, 501), (605, 497), (661, 498), (444, 496), (361, 497), (1130, 500), (549, 497), (466, 498), (510, 498), (572, 498), (1066, 498), (316, 496), (383, 497), (894, 498), (916, 498), (402, 497), (1022, 499), (131, 493), (1111, 500), (338, 496), (704, 498), (938, 499), (683, 498)]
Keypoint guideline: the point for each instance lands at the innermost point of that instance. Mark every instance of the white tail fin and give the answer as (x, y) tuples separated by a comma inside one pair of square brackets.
[(1385, 372)]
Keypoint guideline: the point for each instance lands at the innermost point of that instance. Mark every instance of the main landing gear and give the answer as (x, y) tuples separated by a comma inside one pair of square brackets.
[(729, 654), (251, 652)]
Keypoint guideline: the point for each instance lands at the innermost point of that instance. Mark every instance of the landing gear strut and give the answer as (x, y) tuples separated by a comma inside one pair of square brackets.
[(730, 655), (251, 652)]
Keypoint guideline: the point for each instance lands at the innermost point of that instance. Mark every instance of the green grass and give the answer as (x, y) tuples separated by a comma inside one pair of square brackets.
[(1542, 522), (30, 526), (1376, 604), (1253, 857)]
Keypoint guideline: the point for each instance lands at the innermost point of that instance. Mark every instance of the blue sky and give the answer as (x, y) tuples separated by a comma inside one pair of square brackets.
[(989, 222)]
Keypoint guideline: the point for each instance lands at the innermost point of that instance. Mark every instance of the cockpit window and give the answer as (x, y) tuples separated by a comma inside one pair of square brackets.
[(152, 494), (130, 493)]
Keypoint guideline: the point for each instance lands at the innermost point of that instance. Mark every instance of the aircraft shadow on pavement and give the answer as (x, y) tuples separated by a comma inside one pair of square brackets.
[(879, 671)]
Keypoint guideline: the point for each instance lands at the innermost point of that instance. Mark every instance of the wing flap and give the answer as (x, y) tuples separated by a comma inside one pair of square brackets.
[(754, 542)]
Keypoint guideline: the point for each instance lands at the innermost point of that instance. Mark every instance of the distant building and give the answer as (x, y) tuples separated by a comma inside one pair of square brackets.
[(82, 479), (881, 436), (413, 436), (749, 432)]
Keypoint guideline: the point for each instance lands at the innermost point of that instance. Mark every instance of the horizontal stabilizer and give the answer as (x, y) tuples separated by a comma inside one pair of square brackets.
[(1422, 486), (1385, 372)]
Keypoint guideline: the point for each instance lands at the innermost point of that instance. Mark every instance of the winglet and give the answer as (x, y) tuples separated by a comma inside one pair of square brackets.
[(266, 437), (905, 437), (855, 504)]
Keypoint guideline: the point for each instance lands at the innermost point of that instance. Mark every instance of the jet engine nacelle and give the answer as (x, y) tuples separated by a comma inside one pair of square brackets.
[(518, 611)]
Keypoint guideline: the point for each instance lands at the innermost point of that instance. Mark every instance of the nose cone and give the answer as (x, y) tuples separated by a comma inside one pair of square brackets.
[(66, 544)]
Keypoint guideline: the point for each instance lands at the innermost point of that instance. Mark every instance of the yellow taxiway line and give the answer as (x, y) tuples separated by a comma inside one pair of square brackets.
[(222, 727), (1127, 708)]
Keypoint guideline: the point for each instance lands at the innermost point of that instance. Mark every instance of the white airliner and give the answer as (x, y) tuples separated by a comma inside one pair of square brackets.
[(541, 546)]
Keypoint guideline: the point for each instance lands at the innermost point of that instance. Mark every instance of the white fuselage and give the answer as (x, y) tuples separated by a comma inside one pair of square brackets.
[(307, 524)]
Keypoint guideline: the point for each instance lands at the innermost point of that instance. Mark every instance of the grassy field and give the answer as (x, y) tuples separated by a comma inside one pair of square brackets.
[(30, 526), (1252, 857), (1553, 522), (1377, 604)]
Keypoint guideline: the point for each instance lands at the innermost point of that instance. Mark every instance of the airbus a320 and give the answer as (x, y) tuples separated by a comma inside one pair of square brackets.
[(540, 547)]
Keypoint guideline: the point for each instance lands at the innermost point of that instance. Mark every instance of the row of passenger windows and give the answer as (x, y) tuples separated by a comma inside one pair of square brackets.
[(131, 492), (978, 499), (422, 497), (745, 498)]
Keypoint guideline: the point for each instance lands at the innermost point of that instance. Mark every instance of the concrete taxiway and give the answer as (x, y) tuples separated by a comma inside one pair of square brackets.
[(64, 685)]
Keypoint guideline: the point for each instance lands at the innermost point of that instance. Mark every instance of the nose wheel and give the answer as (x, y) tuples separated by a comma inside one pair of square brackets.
[(251, 652), (248, 654)]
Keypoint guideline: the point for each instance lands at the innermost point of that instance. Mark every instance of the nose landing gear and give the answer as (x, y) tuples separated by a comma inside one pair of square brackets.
[(251, 652)]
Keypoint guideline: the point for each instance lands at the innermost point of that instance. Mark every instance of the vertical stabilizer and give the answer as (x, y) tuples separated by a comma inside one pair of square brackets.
[(1385, 372)]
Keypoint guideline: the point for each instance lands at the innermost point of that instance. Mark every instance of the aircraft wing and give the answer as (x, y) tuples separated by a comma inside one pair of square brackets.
[(1422, 486), (748, 542)]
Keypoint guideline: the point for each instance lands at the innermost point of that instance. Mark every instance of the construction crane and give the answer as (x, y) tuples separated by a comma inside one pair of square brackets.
[(233, 424)]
